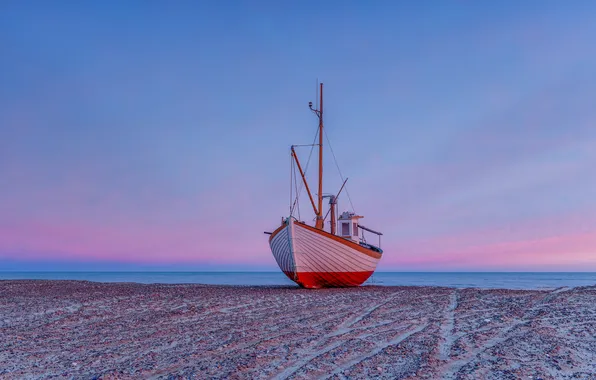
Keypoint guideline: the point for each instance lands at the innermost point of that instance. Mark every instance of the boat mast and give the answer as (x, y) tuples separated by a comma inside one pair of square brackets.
[(319, 223)]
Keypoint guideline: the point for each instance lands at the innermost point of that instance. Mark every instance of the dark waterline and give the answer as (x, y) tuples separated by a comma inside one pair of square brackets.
[(506, 280)]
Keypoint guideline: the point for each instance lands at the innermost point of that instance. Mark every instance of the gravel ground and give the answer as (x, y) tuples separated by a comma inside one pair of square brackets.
[(87, 330)]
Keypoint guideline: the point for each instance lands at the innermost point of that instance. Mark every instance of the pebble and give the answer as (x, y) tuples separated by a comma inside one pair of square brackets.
[(81, 329)]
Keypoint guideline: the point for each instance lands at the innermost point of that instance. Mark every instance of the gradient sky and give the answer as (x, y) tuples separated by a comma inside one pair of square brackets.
[(156, 134)]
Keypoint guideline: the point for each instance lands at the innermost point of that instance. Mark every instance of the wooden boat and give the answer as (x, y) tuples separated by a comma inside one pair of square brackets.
[(311, 256)]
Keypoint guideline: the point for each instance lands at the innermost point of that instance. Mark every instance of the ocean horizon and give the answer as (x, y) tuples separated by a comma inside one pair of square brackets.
[(482, 280)]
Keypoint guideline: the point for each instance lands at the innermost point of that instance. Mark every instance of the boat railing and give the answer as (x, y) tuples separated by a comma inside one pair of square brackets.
[(379, 234)]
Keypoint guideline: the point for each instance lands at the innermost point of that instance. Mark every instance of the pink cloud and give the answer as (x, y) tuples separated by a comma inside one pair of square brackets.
[(141, 243), (473, 251)]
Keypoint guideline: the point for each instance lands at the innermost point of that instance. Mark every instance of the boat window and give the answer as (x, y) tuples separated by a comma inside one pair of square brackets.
[(355, 229), (345, 229)]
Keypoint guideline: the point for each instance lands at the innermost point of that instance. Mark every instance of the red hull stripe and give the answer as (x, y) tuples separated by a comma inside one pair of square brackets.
[(316, 280)]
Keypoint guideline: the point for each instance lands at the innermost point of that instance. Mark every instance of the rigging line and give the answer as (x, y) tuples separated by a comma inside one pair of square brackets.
[(291, 185), (296, 186), (291, 179), (337, 165), (328, 211), (292, 182), (296, 204), (311, 150), (298, 209), (307, 163), (297, 200)]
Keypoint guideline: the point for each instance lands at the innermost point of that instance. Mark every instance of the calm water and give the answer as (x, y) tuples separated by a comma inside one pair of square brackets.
[(538, 280)]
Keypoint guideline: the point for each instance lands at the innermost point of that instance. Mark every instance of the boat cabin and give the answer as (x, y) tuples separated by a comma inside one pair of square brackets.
[(348, 226)]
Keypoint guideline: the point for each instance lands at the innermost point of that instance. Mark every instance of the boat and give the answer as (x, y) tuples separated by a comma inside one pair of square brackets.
[(310, 255)]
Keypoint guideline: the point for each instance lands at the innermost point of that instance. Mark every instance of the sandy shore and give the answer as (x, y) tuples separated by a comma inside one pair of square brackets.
[(78, 329)]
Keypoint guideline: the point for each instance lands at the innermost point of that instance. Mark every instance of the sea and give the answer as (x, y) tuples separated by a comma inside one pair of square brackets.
[(483, 280)]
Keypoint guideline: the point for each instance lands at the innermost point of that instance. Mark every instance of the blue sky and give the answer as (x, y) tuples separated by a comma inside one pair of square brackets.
[(158, 133)]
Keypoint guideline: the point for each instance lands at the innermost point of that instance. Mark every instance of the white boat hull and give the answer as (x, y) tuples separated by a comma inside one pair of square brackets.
[(316, 259)]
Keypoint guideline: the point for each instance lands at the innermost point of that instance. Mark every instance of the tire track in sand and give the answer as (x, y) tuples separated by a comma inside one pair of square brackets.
[(343, 328), (506, 334), (380, 348), (447, 337)]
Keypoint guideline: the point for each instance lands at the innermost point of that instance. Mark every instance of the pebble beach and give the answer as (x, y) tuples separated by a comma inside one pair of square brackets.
[(90, 330)]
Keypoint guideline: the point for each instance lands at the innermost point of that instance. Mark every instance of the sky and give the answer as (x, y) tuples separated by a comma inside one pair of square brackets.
[(148, 134)]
